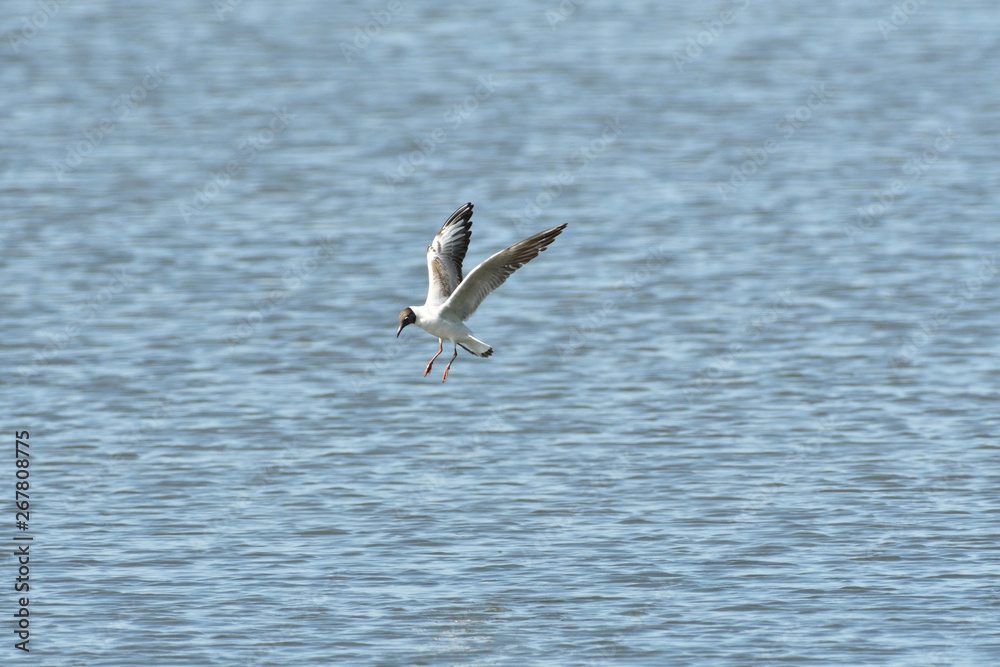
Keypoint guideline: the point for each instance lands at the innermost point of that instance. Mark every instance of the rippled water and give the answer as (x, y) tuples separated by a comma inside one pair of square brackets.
[(743, 411)]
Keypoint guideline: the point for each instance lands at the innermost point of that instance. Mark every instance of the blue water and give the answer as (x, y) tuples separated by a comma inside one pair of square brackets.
[(743, 411)]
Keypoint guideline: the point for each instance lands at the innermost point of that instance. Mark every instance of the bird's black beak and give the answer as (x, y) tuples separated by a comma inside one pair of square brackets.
[(399, 330)]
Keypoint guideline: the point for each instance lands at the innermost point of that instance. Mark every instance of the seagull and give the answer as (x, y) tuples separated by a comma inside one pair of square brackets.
[(450, 299)]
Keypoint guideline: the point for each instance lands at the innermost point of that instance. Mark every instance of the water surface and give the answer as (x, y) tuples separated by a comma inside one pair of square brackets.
[(743, 411)]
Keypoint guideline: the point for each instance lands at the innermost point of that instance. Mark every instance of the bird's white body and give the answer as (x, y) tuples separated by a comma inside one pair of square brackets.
[(430, 320), (451, 299)]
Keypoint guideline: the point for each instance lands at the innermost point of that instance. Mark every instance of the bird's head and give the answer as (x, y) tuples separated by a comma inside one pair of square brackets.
[(405, 317)]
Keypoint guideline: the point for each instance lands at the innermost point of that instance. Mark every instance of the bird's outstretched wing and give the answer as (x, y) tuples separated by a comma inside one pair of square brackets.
[(445, 255), (492, 273)]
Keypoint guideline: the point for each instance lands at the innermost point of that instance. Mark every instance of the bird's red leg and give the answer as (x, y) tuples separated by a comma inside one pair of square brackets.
[(431, 362), (448, 367)]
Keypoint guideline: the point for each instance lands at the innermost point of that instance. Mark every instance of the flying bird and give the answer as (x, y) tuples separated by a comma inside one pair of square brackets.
[(451, 299)]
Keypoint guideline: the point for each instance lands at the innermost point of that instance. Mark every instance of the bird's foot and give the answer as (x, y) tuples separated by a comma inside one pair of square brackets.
[(431, 362)]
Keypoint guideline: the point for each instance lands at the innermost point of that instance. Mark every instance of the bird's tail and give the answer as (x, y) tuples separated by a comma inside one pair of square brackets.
[(476, 347)]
